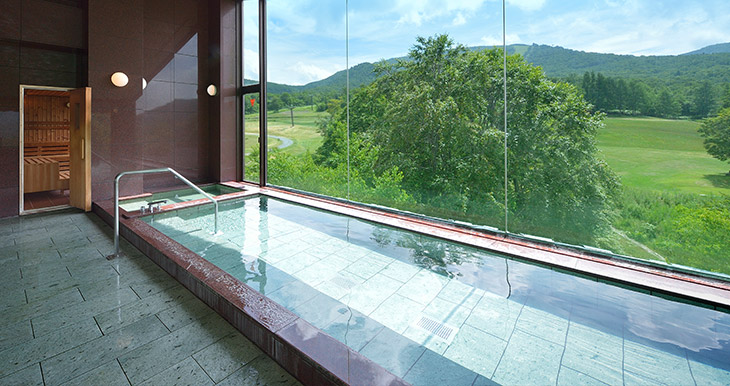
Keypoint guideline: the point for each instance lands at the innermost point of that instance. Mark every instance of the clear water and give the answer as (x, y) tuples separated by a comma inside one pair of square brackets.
[(174, 196), (493, 319)]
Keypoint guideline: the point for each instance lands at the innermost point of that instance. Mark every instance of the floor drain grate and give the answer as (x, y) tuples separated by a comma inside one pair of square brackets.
[(436, 328), (342, 282)]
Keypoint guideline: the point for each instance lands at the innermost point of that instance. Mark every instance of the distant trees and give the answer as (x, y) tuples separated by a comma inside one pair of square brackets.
[(716, 132), (648, 97)]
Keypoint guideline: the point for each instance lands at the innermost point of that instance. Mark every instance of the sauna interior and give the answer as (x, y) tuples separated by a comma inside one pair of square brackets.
[(46, 124)]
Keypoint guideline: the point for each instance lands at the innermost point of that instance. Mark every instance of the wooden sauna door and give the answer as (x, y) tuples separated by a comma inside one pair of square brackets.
[(80, 148)]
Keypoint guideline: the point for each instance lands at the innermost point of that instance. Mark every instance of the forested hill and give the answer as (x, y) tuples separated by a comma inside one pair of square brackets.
[(562, 62), (713, 49), (558, 62)]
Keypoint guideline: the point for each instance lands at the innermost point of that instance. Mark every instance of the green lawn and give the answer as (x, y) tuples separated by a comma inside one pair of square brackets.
[(304, 133), (662, 155)]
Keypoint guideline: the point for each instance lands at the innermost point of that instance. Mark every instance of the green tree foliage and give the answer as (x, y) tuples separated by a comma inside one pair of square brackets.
[(437, 118), (704, 100), (716, 132)]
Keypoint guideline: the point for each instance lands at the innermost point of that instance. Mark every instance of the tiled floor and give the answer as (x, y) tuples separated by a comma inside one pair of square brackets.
[(374, 303), (70, 316)]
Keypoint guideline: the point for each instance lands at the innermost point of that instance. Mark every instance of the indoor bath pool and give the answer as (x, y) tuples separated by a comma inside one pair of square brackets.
[(174, 196), (435, 312)]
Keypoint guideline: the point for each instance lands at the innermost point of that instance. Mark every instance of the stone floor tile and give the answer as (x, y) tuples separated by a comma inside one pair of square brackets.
[(12, 297), (543, 324), (710, 373), (423, 287), (495, 315), (595, 353), (108, 374), (400, 271), (367, 296), (162, 353), (35, 350), (397, 312), (261, 371), (62, 299), (28, 376), (433, 369), (320, 311), (97, 352), (656, 365), (16, 333), (469, 349), (366, 267), (224, 357), (570, 377), (133, 311), (528, 359), (187, 372), (353, 328), (393, 351), (184, 313), (293, 294), (70, 314)]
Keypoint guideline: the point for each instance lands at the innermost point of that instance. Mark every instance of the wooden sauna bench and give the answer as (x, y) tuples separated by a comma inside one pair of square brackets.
[(46, 167)]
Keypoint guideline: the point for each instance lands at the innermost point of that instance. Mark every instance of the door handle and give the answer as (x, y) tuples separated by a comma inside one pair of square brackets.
[(83, 148)]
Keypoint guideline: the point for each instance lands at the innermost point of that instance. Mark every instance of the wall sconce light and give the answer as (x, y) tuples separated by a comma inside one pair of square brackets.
[(120, 79), (212, 90), (144, 83)]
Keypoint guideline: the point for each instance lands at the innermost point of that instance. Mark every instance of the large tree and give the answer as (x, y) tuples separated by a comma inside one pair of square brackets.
[(437, 117), (716, 132)]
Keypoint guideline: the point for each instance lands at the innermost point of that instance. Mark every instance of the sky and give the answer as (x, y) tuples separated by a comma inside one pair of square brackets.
[(307, 38)]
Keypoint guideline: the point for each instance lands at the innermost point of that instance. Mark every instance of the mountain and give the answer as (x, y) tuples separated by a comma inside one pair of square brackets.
[(559, 62), (713, 49)]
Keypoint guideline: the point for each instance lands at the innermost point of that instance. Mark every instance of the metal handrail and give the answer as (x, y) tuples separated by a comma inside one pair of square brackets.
[(162, 170)]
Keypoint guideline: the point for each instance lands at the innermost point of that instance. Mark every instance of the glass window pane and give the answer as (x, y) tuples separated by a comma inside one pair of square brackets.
[(609, 152), (306, 79), (251, 137)]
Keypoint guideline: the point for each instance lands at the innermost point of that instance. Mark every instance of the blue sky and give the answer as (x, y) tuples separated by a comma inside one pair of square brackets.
[(307, 37)]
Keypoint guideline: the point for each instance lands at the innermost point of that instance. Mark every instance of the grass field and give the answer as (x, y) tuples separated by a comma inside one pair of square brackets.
[(304, 133), (662, 155)]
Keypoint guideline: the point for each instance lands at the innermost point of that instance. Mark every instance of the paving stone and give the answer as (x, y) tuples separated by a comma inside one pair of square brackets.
[(108, 374), (710, 373), (423, 287), (184, 313), (570, 377), (35, 350), (16, 333), (131, 312), (69, 315), (353, 329), (469, 350), (393, 351), (151, 358), (224, 357), (187, 372), (595, 353), (495, 315), (97, 352), (397, 312), (261, 371), (63, 299), (528, 359), (543, 324), (30, 375), (433, 369)]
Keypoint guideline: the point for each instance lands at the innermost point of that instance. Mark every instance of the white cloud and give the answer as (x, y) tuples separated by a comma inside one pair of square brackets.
[(527, 5), (416, 12), (250, 64), (459, 20)]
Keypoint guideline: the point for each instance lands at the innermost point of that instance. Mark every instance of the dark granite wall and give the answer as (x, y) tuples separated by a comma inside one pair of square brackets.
[(170, 123)]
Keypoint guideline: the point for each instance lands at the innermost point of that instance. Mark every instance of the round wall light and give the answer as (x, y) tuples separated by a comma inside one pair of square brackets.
[(212, 90), (120, 79), (144, 83)]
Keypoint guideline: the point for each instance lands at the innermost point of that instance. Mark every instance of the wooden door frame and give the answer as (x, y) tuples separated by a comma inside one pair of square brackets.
[(21, 151)]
